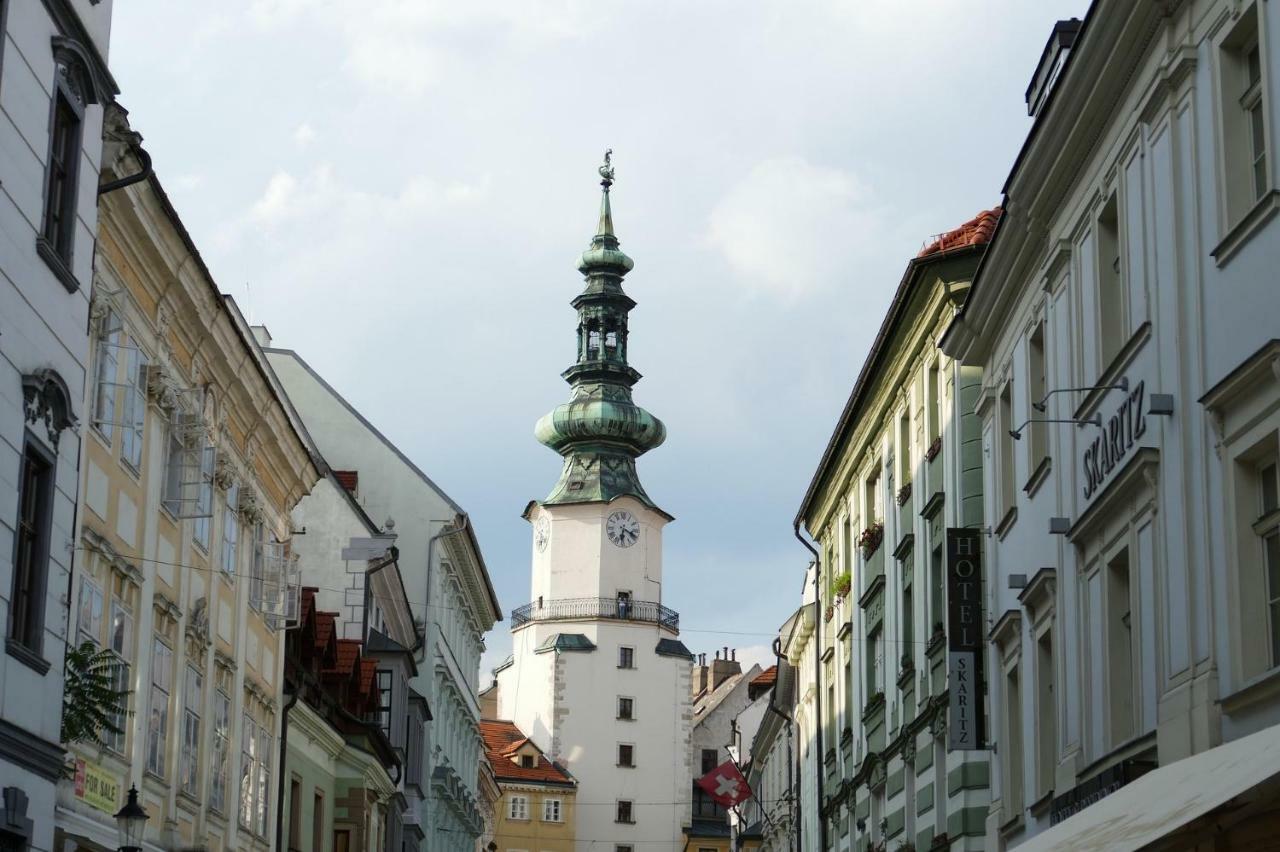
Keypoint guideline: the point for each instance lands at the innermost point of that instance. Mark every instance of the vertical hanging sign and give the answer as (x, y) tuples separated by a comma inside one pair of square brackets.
[(964, 640)]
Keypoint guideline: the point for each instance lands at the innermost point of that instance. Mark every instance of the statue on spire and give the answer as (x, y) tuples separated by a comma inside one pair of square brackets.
[(606, 170)]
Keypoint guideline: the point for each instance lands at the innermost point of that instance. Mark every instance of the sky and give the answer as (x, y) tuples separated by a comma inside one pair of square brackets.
[(399, 190)]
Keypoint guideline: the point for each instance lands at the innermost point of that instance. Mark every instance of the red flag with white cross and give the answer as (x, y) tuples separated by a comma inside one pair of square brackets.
[(726, 785)]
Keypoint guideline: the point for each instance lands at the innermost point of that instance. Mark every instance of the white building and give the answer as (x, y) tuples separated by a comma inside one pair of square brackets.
[(598, 679), (1133, 570), (447, 585), (54, 86), (722, 690), (767, 752)]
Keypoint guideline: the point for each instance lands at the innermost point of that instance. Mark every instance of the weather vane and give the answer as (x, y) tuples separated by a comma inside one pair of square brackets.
[(606, 170)]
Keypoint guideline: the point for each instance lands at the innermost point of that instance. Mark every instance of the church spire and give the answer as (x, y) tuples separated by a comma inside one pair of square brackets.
[(600, 432)]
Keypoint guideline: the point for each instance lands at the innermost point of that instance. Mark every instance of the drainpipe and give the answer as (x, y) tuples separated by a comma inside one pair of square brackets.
[(421, 641), (129, 180), (820, 762), (787, 720), (284, 745)]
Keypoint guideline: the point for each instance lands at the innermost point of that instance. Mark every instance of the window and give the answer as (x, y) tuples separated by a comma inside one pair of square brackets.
[(1005, 441), (1268, 529), (1113, 309), (551, 810), (231, 529), (1120, 646), (264, 797), (623, 847), (90, 621), (1038, 439), (384, 700), (295, 813), (158, 723), (221, 751), (937, 589), (1046, 715), (248, 752), (626, 657), (1011, 747), (1244, 117), (527, 761), (58, 229), (204, 498), (875, 658), (908, 611), (121, 644), (904, 449), (133, 421), (108, 364), (518, 807), (257, 566), (317, 823), (933, 407), (31, 549), (710, 760), (624, 813), (626, 755), (193, 698), (626, 708)]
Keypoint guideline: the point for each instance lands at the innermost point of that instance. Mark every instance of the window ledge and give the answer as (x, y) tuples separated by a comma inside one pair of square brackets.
[(1006, 523), (1259, 688), (1238, 237), (1038, 477), (55, 262), (27, 656), (1040, 806)]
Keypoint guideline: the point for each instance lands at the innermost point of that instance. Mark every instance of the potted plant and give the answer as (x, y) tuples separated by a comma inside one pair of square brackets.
[(904, 494), (842, 583), (870, 538)]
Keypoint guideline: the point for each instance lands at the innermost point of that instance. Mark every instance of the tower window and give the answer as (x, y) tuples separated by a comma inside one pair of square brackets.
[(593, 344), (626, 755), (625, 813), (626, 657), (626, 708)]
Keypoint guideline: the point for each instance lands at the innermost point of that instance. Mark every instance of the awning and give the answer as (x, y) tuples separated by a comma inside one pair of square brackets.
[(1166, 799)]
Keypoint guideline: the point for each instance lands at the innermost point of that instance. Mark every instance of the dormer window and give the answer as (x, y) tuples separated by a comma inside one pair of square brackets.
[(526, 761)]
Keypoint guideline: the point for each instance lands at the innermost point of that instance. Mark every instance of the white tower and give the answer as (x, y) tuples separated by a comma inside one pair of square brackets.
[(598, 678)]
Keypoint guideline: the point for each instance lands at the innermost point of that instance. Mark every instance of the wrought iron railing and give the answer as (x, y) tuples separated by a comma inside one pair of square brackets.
[(621, 609)]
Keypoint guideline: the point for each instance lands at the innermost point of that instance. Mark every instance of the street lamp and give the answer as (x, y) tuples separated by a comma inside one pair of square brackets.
[(130, 822)]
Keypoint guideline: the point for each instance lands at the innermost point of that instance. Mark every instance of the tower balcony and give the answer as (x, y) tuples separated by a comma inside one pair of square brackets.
[(582, 609)]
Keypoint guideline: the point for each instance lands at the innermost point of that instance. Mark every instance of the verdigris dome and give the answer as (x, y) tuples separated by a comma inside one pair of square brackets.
[(600, 431)]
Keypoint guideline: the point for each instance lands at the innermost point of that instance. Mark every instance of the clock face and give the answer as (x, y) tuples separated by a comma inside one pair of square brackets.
[(623, 529), (542, 533)]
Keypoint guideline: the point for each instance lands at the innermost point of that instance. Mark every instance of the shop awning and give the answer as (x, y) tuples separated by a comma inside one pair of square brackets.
[(1166, 799)]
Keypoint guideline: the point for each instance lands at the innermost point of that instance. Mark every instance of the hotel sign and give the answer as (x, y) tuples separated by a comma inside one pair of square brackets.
[(1104, 454), (964, 640), (96, 787)]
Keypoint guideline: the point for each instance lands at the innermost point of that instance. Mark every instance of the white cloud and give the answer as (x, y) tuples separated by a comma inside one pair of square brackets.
[(304, 135), (789, 228)]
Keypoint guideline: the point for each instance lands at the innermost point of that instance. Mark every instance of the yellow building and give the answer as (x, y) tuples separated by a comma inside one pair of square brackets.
[(191, 465), (535, 811)]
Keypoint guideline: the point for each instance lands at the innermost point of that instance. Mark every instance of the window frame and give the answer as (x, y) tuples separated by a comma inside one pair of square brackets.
[(518, 807), (627, 805), (626, 755), (31, 550), (158, 710), (627, 657), (630, 715), (549, 804), (192, 705), (56, 240), (218, 776)]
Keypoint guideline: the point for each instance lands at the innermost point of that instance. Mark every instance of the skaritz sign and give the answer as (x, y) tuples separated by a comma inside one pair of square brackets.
[(964, 640), (1106, 451)]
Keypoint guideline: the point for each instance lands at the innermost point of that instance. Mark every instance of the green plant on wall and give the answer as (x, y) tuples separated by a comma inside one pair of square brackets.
[(91, 702), (842, 583)]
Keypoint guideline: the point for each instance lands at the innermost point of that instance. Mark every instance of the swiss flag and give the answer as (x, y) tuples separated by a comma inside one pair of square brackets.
[(726, 785)]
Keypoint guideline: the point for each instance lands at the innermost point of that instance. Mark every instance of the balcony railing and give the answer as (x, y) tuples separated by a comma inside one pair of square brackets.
[(621, 609)]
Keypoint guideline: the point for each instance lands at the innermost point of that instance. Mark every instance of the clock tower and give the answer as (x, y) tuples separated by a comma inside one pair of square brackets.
[(598, 677)]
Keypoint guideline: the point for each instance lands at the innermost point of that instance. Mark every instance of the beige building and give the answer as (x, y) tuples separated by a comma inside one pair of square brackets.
[(191, 465), (536, 808)]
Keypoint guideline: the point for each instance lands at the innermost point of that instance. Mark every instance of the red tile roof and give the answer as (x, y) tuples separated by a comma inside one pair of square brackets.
[(977, 231), (502, 739), (348, 479), (766, 677), (367, 670), (348, 654), (324, 628)]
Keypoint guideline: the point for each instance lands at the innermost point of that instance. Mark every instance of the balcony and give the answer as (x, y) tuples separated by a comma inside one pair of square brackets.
[(581, 609)]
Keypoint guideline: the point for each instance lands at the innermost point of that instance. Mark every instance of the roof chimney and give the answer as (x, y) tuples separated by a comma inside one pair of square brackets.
[(261, 335), (1052, 59)]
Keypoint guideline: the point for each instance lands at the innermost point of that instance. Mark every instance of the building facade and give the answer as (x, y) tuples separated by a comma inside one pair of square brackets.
[(902, 468), (767, 819), (191, 465), (598, 678), (537, 803), (445, 580), (348, 754), (1126, 308), (54, 90), (723, 691)]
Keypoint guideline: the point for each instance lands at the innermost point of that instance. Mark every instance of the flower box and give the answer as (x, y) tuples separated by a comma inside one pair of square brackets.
[(904, 494), (870, 539), (934, 448), (842, 583)]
